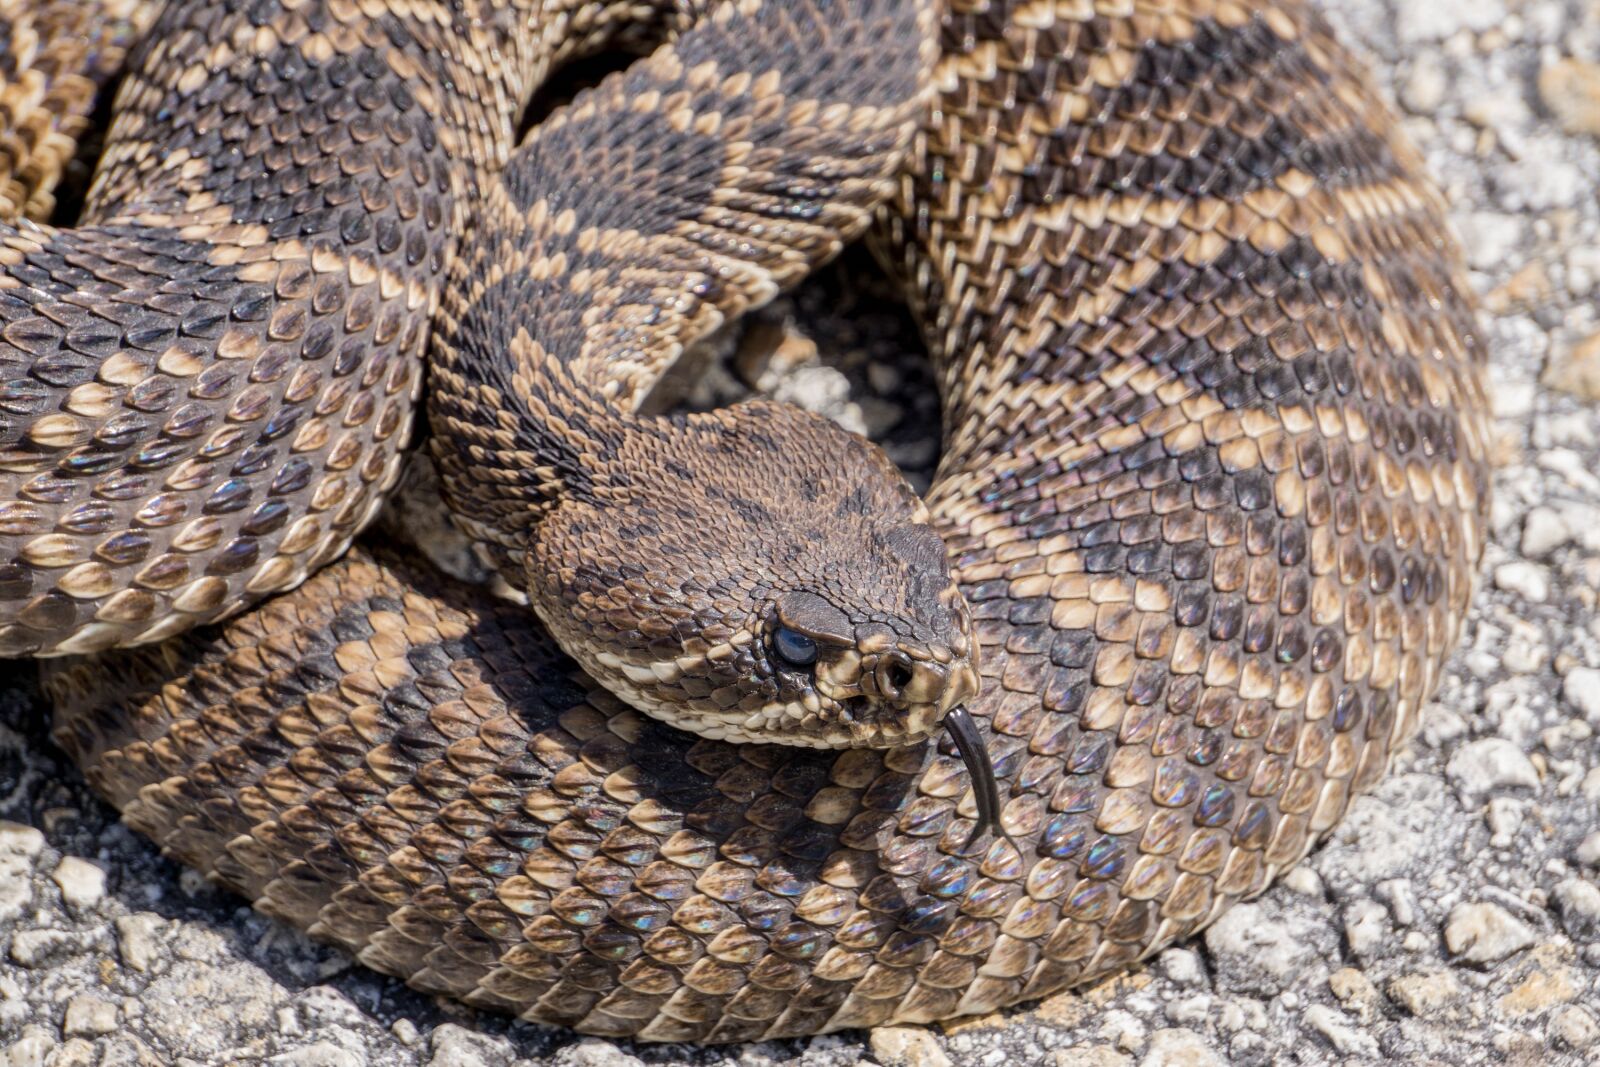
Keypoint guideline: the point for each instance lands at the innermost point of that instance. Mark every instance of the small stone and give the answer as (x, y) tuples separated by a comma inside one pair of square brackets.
[(30, 948), (405, 1031), (89, 1016), (1192, 1012), (1426, 994), (1578, 903), (1345, 1039), (456, 1046), (1303, 880), (1092, 1056), (1538, 992), (1365, 927), (1490, 764), (19, 840), (1581, 689), (1425, 86), (1484, 934), (1179, 1048), (1588, 850), (1573, 1027), (321, 1054), (138, 940), (1543, 531), (1402, 900), (82, 884), (1255, 952), (1575, 369), (1570, 88), (1355, 991), (1435, 22), (1182, 966), (1491, 238), (905, 1046), (593, 1052), (30, 1049), (1527, 580)]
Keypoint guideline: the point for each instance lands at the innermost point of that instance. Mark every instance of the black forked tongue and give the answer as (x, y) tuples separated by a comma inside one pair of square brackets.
[(963, 730)]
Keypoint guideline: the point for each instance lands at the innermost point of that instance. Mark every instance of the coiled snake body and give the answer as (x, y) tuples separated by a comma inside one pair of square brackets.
[(1213, 486)]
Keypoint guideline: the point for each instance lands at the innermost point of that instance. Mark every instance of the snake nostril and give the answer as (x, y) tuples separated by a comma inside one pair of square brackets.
[(894, 675)]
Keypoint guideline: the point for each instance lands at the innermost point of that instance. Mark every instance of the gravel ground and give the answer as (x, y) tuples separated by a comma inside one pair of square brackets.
[(1454, 917)]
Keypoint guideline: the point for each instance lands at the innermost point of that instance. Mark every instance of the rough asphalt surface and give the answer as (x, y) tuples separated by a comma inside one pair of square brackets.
[(1454, 918)]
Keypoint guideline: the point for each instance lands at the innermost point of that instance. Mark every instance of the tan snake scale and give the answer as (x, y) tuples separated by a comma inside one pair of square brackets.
[(1213, 486)]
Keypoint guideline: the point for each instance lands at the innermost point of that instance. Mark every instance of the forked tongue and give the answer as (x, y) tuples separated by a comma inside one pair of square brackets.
[(963, 730)]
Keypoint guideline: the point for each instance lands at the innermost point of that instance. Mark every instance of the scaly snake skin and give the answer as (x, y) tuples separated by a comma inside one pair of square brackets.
[(1214, 484)]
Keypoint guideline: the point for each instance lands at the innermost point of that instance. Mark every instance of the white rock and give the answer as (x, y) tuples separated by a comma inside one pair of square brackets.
[(1588, 850), (321, 1054), (138, 942), (89, 1016), (593, 1052), (1345, 1039), (905, 1046), (1581, 689), (1491, 238), (456, 1046), (1578, 903), (1573, 1027), (1425, 88), (1402, 900), (19, 840), (1543, 531), (83, 885), (1434, 21), (1366, 927), (1179, 1048), (1483, 933), (1305, 881), (1490, 764), (1527, 580), (1253, 950), (30, 1049), (1182, 966)]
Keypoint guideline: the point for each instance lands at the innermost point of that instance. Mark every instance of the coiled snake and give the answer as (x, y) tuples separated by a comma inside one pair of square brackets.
[(1213, 484)]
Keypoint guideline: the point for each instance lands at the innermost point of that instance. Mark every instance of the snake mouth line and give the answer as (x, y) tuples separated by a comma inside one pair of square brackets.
[(963, 730)]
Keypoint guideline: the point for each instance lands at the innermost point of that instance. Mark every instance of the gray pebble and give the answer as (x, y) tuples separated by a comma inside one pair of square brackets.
[(1179, 1048), (1366, 927), (1588, 850), (1543, 531), (82, 883), (139, 940), (1578, 904), (1255, 951), (1182, 966), (1528, 580), (1485, 934), (1335, 1026), (1573, 1027), (456, 1046), (321, 1054), (1490, 764), (1581, 690), (88, 1016)]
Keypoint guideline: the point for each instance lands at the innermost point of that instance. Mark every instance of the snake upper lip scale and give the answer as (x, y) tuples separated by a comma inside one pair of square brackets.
[(1213, 488)]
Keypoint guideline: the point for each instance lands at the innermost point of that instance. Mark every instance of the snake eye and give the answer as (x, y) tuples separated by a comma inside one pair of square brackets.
[(794, 647)]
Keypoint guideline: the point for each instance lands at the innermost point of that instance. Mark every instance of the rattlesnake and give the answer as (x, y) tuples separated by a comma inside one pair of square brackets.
[(1212, 491)]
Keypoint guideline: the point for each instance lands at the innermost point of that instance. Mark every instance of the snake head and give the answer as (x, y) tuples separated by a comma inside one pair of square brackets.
[(759, 575)]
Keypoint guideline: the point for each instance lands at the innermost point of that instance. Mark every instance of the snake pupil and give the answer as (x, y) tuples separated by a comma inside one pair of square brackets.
[(794, 647)]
